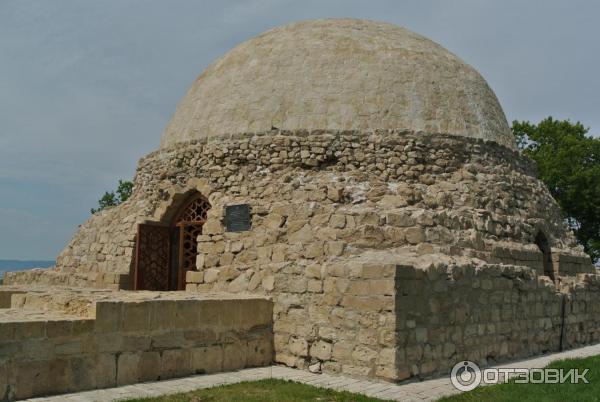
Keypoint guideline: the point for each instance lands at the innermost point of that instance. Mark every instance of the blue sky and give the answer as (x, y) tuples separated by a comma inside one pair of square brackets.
[(87, 87)]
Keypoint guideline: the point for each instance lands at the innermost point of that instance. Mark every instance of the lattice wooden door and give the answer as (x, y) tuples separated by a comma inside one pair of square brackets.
[(153, 258), (164, 254), (190, 220)]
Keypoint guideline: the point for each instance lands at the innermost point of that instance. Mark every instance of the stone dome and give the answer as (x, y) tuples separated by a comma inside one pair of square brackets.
[(339, 74)]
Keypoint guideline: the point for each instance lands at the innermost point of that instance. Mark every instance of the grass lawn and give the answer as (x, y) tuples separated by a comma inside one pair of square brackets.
[(262, 391), (542, 392)]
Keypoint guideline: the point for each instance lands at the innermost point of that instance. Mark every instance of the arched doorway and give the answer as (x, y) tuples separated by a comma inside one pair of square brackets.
[(542, 242), (164, 253)]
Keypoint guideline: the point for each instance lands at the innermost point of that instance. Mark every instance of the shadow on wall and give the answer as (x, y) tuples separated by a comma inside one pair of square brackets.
[(542, 242)]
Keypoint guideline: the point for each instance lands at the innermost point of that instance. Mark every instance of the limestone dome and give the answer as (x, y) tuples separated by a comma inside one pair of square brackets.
[(339, 74)]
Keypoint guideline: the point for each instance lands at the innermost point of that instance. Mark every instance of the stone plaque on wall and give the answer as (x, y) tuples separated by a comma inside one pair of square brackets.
[(237, 218)]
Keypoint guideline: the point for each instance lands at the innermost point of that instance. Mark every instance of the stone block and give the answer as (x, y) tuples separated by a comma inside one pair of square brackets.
[(149, 366), (387, 357), (302, 236), (59, 328), (359, 287), (314, 250), (211, 248), (108, 316), (7, 331), (29, 330), (82, 372), (377, 271), (235, 246), (191, 287), (421, 335), (6, 389), (167, 340), (234, 356), (213, 227), (105, 370), (335, 248), (59, 376), (69, 347), (298, 346), (176, 363), (268, 282), (364, 354), (279, 253), (342, 351), (384, 287), (314, 286), (128, 368), (239, 284), (352, 370), (228, 273), (263, 254), (313, 271), (335, 194), (287, 359), (31, 379), (337, 221), (400, 219), (200, 261), (211, 275), (321, 350), (415, 235), (136, 316), (82, 326), (367, 303), (393, 201), (207, 359)]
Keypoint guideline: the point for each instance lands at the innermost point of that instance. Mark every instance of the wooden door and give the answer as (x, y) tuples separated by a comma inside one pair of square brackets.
[(152, 258)]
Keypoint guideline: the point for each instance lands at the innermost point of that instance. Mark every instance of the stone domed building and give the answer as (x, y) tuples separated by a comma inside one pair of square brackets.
[(365, 179)]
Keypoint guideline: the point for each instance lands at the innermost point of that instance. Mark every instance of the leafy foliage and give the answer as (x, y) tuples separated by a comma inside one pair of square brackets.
[(568, 161), (114, 198)]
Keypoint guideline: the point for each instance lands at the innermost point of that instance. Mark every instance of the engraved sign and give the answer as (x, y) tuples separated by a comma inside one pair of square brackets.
[(237, 218)]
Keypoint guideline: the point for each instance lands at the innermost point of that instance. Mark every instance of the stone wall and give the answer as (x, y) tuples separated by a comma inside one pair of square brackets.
[(129, 340), (333, 214), (395, 322), (384, 189), (488, 314)]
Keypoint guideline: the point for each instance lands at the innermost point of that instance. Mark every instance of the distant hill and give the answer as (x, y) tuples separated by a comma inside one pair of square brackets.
[(18, 265)]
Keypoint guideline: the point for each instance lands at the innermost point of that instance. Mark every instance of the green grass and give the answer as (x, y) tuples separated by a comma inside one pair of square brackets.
[(262, 391), (541, 392)]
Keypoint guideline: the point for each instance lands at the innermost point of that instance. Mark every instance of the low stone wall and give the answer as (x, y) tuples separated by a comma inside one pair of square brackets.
[(130, 341), (488, 314), (564, 262), (57, 277), (337, 318), (395, 322)]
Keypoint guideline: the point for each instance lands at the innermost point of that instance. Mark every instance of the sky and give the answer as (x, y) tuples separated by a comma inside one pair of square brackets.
[(87, 87)]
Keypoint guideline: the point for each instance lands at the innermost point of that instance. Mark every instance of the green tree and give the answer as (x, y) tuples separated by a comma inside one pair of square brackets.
[(568, 162), (114, 198)]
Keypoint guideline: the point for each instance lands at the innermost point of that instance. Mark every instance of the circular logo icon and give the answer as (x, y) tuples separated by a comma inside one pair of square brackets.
[(465, 376)]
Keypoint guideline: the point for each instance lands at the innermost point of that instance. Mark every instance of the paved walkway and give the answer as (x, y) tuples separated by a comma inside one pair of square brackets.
[(429, 390)]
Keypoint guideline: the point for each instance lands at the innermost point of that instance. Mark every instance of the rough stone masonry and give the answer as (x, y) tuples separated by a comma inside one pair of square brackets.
[(393, 223)]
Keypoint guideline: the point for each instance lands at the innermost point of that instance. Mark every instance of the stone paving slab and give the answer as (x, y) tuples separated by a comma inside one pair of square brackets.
[(428, 390)]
